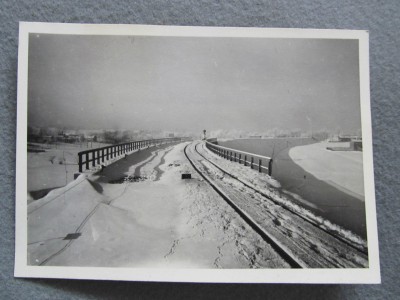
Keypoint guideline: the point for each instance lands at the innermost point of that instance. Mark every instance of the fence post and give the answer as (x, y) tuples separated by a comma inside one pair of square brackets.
[(259, 165), (245, 160), (240, 158), (102, 155), (80, 162), (252, 161), (87, 160), (270, 167), (93, 158), (234, 157)]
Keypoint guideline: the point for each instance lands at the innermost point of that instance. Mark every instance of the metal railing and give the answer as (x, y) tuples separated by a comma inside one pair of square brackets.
[(92, 157), (255, 161)]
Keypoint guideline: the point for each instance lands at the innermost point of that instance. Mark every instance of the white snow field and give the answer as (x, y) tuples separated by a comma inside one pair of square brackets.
[(55, 167), (342, 169), (152, 219)]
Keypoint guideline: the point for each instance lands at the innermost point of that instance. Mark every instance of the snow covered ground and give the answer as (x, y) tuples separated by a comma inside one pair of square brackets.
[(53, 168), (151, 219), (342, 169)]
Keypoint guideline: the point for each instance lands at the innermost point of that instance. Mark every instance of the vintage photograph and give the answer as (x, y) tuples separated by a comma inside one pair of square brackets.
[(194, 154)]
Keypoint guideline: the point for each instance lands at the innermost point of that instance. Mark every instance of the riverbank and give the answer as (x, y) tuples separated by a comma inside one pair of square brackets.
[(330, 202), (342, 169)]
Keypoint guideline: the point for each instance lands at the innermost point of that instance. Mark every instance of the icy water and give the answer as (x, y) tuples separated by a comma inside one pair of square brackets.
[(329, 202)]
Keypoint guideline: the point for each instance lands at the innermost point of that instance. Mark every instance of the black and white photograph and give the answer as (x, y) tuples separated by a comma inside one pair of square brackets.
[(200, 154)]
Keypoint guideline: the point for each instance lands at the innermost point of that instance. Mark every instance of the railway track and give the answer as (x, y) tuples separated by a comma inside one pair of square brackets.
[(296, 240), (309, 219)]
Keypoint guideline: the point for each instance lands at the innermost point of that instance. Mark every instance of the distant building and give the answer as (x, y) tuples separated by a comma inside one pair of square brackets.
[(91, 138)]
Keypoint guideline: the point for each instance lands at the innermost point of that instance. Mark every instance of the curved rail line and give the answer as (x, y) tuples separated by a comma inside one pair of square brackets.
[(294, 262), (268, 197)]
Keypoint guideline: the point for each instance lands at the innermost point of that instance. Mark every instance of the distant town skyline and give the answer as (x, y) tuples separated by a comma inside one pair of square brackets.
[(193, 83)]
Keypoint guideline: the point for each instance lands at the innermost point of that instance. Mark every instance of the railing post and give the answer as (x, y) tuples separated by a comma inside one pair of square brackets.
[(240, 158), (234, 157), (270, 167), (98, 157), (93, 158), (245, 160), (102, 155), (80, 162), (87, 160), (259, 165), (252, 161)]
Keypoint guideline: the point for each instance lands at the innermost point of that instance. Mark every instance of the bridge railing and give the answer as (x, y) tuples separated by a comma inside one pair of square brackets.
[(92, 157), (262, 163)]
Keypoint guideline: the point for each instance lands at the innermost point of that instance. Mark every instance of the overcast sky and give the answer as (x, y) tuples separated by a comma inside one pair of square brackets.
[(173, 83)]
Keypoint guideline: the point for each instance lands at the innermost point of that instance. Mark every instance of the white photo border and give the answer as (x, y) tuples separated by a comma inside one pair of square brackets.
[(345, 276)]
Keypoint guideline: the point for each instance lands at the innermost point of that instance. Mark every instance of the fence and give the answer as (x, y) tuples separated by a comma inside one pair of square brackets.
[(99, 155), (255, 161)]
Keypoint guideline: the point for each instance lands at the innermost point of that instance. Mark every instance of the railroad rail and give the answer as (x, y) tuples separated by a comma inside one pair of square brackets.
[(92, 157), (294, 250), (282, 251), (312, 222)]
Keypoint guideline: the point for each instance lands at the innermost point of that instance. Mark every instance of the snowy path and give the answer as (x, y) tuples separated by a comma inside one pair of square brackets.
[(153, 219)]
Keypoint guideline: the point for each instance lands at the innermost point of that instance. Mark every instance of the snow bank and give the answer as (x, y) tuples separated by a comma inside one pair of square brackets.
[(60, 213)]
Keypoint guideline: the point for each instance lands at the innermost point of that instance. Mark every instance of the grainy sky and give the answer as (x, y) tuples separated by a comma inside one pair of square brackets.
[(192, 83)]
